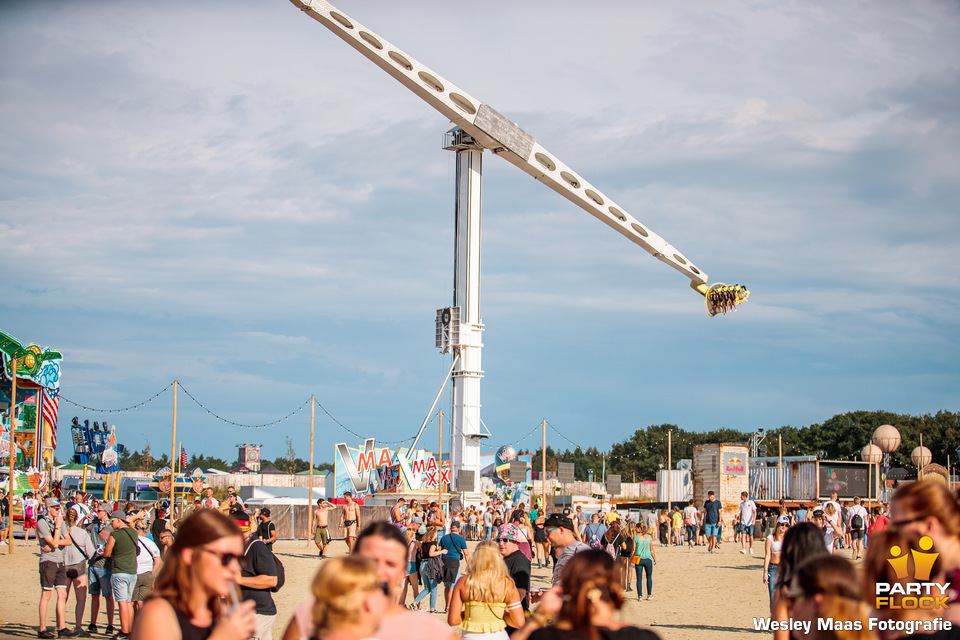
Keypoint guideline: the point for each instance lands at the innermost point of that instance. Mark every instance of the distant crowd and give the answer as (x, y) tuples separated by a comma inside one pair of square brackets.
[(213, 573)]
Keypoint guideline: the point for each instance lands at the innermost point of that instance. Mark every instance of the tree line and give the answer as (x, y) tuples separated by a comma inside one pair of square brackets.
[(842, 437)]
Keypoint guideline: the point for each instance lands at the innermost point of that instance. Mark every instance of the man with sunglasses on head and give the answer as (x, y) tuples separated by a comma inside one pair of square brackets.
[(52, 534), (100, 571), (258, 576)]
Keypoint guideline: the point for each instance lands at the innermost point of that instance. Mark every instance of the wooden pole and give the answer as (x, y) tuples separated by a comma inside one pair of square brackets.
[(780, 467), (543, 469), (173, 453), (440, 465), (313, 406), (920, 466), (669, 468), (12, 455)]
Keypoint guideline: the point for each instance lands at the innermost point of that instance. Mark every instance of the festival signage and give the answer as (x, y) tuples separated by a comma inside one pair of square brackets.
[(734, 464), (371, 469)]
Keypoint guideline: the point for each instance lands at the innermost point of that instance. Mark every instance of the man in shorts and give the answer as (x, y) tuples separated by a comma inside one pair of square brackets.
[(99, 571), (349, 520), (122, 548), (456, 547), (321, 532), (748, 519), (53, 535), (857, 519), (31, 511), (712, 520)]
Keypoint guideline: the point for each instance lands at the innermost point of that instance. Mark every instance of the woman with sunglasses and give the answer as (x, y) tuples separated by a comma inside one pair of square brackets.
[(931, 509), (772, 545), (195, 595), (828, 588)]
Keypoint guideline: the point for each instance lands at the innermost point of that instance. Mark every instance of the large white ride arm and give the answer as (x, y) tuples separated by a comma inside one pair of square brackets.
[(491, 130)]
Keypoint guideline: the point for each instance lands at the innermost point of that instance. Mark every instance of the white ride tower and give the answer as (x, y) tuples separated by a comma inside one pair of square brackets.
[(478, 127)]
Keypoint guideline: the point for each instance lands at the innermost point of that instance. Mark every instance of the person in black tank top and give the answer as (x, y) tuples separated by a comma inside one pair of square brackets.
[(197, 573)]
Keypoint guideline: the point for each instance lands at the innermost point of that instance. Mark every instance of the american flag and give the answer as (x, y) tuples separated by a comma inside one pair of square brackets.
[(50, 406), (183, 457)]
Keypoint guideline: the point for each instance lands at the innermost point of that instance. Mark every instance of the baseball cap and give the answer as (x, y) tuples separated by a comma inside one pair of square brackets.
[(818, 513), (783, 520), (51, 502), (558, 520), (118, 515), (512, 533)]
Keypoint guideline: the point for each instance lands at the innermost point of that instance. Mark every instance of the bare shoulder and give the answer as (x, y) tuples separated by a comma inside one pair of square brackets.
[(157, 619)]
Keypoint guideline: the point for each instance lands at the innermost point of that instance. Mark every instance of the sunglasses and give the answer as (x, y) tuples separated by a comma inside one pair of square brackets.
[(900, 523), (227, 558)]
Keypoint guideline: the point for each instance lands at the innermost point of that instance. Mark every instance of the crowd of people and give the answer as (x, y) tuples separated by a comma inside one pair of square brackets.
[(213, 573)]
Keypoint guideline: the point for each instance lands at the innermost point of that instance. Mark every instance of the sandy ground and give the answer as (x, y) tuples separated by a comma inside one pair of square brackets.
[(694, 592)]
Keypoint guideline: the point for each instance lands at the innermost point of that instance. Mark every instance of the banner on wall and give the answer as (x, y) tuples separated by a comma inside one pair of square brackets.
[(371, 469)]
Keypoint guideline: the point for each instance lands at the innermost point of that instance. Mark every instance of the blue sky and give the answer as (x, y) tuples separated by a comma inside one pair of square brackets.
[(227, 194)]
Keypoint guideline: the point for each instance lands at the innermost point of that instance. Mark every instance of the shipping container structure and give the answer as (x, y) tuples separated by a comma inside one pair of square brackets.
[(725, 470), (678, 483), (807, 479)]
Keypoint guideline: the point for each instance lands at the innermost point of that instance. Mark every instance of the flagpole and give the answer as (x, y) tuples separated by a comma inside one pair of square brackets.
[(11, 455)]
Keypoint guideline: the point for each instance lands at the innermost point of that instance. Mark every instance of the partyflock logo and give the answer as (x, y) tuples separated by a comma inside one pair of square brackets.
[(920, 593)]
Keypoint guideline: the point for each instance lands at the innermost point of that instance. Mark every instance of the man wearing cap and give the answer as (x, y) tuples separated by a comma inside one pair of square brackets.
[(53, 535), (258, 575), (100, 571), (561, 536), (517, 564), (830, 527), (456, 548), (266, 530), (122, 549)]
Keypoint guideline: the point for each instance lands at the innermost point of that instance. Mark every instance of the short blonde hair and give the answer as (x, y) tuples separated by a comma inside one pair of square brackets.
[(339, 588)]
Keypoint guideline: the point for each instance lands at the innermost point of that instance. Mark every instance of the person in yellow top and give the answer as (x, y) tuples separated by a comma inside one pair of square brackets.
[(676, 526), (486, 599)]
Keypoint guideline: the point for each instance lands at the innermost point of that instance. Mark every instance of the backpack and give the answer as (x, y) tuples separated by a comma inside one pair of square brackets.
[(856, 522), (28, 510), (281, 574)]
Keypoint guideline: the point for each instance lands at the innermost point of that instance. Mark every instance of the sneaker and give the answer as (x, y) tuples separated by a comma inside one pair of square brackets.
[(650, 597), (121, 636), (66, 633), (108, 630), (46, 633), (751, 551), (743, 551), (629, 588), (92, 628)]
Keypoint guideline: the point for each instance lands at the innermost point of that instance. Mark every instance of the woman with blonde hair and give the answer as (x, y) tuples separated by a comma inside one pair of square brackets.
[(645, 557), (772, 545), (197, 575), (349, 600), (486, 599), (75, 558), (626, 552), (827, 587)]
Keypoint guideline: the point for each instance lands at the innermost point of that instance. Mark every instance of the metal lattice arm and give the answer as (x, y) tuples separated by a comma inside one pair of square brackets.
[(493, 131)]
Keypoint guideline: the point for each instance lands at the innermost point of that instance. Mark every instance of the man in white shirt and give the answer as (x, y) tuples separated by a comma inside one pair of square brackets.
[(748, 517), (691, 520), (857, 525)]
